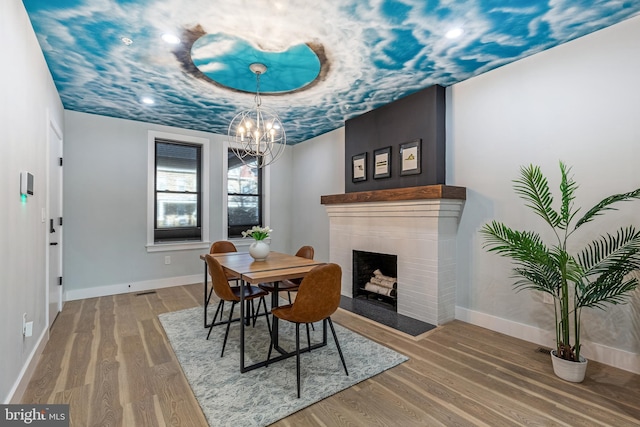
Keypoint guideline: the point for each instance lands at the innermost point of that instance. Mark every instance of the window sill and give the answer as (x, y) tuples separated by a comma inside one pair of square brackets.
[(177, 246)]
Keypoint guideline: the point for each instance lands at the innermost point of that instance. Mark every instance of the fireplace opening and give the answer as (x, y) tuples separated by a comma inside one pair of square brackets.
[(375, 278)]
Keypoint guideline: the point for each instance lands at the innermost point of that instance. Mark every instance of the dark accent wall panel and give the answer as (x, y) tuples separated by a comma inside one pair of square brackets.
[(420, 115)]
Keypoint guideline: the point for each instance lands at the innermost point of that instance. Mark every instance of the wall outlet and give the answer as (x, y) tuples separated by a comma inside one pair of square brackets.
[(167, 260), (28, 330), (547, 298)]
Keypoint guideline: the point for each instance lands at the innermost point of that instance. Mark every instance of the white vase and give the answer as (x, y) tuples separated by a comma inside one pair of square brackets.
[(568, 370), (259, 250)]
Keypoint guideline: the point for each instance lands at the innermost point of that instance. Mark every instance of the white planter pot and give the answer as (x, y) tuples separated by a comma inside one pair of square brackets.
[(259, 250), (568, 370)]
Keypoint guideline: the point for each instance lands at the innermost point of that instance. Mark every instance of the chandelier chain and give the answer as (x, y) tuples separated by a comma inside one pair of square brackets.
[(257, 97)]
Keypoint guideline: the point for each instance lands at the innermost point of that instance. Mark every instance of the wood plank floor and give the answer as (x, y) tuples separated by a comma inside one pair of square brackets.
[(110, 360)]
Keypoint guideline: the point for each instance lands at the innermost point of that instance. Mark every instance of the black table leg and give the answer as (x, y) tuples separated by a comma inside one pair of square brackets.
[(242, 310), (274, 320)]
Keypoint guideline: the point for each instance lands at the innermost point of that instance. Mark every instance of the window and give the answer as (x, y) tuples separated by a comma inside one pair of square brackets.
[(244, 196), (178, 189), (178, 201)]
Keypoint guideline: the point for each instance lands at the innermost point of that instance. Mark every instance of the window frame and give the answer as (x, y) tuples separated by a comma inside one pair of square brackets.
[(203, 242)]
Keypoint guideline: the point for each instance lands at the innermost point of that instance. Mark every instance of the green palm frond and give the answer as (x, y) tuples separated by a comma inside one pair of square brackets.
[(619, 252), (521, 246), (567, 266), (533, 187), (567, 189), (605, 205), (574, 271), (607, 289), (536, 265), (537, 277)]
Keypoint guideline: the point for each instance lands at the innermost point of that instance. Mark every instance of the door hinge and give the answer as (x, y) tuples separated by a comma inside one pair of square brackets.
[(60, 158), (60, 281), (60, 221)]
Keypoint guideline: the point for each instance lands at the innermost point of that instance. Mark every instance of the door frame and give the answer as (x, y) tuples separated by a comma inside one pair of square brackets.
[(52, 126)]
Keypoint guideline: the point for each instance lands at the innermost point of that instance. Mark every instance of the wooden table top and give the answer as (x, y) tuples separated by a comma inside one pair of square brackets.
[(277, 266)]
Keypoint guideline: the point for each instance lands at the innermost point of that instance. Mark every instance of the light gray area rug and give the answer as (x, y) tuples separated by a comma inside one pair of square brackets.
[(265, 395)]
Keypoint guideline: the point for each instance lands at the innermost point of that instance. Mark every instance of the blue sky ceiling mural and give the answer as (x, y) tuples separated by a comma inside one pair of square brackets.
[(327, 61)]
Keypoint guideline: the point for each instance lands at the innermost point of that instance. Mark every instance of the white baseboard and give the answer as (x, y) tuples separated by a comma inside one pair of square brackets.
[(19, 387), (124, 288), (617, 358)]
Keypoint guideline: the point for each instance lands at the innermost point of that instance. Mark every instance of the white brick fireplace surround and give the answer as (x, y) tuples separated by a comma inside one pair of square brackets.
[(419, 225)]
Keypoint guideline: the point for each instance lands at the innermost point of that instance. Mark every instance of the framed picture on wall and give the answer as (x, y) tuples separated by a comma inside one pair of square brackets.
[(382, 163), (359, 169), (410, 157)]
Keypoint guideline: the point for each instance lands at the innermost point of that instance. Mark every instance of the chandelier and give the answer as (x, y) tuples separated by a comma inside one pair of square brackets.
[(256, 136)]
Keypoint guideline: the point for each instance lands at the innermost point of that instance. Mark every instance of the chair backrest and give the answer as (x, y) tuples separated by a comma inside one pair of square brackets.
[(305, 252), (219, 279), (222, 246), (319, 294)]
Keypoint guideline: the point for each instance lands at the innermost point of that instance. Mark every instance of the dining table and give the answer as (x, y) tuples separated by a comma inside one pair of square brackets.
[(275, 268)]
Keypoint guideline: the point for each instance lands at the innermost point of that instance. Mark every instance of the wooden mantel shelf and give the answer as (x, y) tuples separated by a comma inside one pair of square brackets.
[(396, 194)]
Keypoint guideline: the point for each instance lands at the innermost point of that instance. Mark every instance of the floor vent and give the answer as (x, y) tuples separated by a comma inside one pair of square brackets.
[(544, 350), (145, 293)]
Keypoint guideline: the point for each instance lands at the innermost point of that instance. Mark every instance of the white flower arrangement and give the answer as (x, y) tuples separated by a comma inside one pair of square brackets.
[(257, 232)]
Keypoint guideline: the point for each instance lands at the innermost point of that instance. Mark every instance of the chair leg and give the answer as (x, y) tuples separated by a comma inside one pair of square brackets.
[(209, 296), (226, 334), (335, 338), (289, 296), (212, 325), (298, 356), (308, 338), (219, 309), (262, 301), (270, 343)]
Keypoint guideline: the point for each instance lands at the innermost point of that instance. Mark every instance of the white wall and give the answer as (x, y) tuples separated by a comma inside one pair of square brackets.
[(27, 98), (105, 202), (578, 103), (318, 170)]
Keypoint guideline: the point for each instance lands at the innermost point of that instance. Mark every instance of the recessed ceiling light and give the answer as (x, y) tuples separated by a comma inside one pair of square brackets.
[(147, 100), (126, 40), (170, 38), (454, 33)]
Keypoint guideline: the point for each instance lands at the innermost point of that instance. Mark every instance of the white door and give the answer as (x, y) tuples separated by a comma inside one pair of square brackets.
[(55, 221)]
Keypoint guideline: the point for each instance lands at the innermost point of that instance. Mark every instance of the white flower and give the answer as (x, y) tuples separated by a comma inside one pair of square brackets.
[(257, 232)]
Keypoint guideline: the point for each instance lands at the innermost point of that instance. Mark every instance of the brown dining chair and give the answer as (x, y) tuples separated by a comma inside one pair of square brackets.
[(318, 298), (226, 292), (292, 284), (221, 247)]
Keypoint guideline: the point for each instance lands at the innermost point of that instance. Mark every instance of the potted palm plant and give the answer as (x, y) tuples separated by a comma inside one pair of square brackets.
[(593, 277)]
